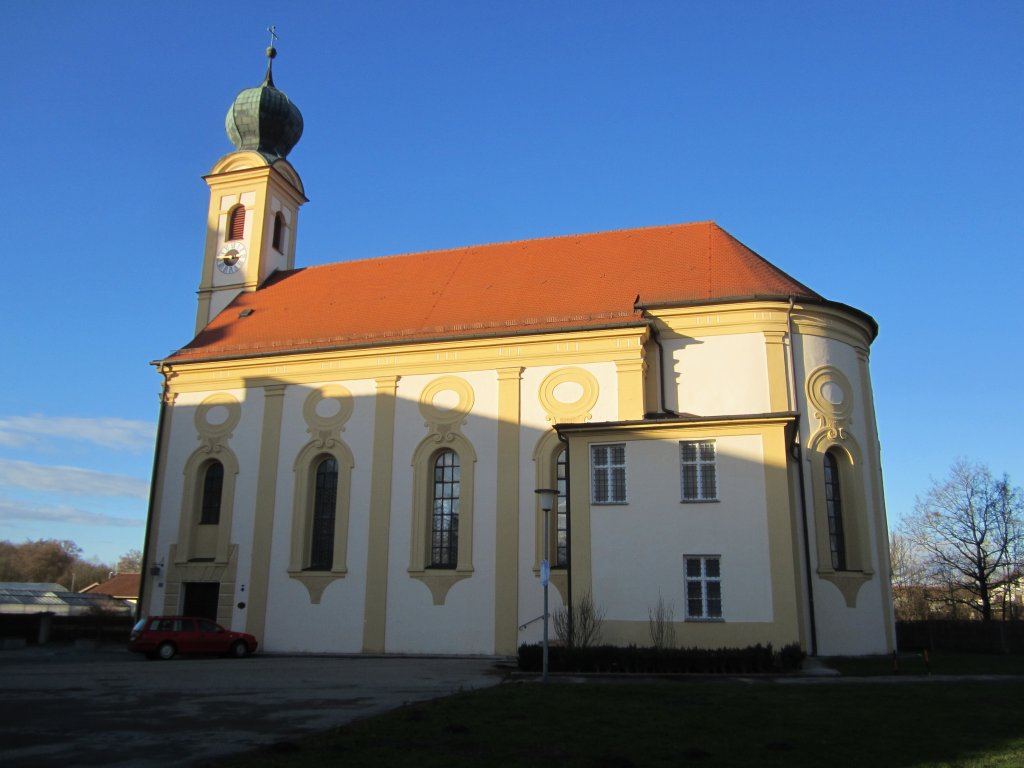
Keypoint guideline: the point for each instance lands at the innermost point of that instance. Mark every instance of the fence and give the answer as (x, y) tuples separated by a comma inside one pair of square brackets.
[(961, 636)]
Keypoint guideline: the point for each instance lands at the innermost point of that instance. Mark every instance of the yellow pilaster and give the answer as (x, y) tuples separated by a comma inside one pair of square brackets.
[(778, 377), (631, 388), (266, 494), (375, 611), (506, 586)]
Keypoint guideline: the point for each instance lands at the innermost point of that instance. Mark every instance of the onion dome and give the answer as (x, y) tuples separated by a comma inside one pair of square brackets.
[(262, 119)]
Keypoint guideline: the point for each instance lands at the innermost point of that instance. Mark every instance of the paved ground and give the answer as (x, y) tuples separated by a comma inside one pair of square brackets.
[(67, 707)]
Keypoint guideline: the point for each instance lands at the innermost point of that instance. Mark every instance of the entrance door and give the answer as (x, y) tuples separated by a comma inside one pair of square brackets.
[(201, 599)]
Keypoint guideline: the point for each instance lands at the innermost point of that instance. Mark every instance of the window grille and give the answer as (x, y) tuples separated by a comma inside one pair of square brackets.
[(698, 471), (703, 587), (444, 528), (608, 468), (321, 555), (834, 510), (561, 519)]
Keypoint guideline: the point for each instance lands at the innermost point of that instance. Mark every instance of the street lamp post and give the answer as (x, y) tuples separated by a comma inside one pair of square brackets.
[(547, 502)]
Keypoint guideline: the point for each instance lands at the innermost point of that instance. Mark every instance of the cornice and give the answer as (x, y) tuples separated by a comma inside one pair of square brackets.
[(769, 317), (439, 357), (672, 428), (244, 167)]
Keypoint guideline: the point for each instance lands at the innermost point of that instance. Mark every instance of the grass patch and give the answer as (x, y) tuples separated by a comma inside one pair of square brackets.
[(706, 723)]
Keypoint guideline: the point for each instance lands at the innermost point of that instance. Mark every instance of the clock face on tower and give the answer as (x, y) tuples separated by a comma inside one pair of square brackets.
[(231, 257)]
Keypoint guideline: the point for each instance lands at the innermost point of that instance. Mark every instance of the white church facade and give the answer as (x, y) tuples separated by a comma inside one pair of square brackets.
[(347, 454)]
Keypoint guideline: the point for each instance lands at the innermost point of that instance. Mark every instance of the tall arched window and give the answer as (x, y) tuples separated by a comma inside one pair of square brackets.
[(561, 520), (236, 223), (213, 487), (325, 497), (278, 237), (834, 511), (444, 525)]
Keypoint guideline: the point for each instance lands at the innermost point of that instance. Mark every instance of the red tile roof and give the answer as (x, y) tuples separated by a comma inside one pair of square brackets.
[(121, 585), (529, 286)]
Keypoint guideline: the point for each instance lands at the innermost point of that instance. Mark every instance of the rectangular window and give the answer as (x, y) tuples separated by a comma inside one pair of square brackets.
[(703, 587), (697, 471), (608, 473)]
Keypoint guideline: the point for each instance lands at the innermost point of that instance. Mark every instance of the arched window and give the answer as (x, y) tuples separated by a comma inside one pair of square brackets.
[(444, 525), (213, 486), (236, 223), (325, 497), (278, 238), (561, 520), (834, 511)]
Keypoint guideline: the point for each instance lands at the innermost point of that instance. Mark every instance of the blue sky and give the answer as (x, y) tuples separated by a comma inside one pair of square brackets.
[(873, 150)]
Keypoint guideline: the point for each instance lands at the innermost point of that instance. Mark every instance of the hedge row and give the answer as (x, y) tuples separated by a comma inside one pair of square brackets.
[(649, 660)]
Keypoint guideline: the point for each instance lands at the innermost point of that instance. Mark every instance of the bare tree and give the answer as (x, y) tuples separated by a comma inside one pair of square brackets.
[(130, 562), (49, 560), (970, 531), (910, 590), (661, 624)]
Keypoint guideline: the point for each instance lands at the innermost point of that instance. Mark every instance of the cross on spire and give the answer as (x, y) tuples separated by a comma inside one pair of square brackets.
[(271, 53)]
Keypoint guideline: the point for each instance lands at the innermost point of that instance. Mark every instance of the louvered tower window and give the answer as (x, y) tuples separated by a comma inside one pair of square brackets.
[(236, 223)]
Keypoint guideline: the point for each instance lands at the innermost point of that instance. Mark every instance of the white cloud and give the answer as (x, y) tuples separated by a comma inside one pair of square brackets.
[(84, 482), (119, 434), (60, 513)]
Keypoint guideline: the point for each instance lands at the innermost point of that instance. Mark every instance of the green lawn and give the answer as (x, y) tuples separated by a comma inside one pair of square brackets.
[(725, 722)]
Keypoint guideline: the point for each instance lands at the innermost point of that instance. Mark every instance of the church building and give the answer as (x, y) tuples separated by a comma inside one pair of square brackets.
[(347, 455)]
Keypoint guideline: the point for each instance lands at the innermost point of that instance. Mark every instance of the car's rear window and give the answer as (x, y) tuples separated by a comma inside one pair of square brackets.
[(172, 625)]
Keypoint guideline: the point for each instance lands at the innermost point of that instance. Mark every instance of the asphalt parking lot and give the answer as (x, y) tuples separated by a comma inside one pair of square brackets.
[(68, 707)]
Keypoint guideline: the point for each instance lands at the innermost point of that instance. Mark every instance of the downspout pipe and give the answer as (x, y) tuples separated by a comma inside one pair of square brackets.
[(152, 491), (798, 456), (653, 325)]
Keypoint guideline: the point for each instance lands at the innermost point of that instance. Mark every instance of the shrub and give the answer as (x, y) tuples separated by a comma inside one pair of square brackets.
[(661, 624), (653, 660), (579, 625)]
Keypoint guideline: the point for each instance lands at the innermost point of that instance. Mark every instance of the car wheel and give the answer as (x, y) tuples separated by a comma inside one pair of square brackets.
[(239, 649), (166, 651)]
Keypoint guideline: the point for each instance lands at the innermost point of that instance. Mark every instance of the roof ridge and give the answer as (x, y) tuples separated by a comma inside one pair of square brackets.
[(547, 238)]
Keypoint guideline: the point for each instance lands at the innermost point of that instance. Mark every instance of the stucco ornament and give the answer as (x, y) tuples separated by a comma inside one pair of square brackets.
[(215, 420), (326, 410), (830, 395), (444, 405), (568, 395)]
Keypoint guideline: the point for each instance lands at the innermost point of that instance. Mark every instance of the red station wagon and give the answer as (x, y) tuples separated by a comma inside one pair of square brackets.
[(163, 637)]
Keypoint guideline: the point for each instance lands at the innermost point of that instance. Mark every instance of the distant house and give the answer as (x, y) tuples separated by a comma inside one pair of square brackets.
[(122, 586), (34, 597)]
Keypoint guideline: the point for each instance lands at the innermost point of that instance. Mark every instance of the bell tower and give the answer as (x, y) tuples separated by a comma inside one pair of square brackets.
[(255, 195)]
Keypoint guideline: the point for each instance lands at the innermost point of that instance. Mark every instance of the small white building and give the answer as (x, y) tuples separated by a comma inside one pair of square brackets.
[(347, 454)]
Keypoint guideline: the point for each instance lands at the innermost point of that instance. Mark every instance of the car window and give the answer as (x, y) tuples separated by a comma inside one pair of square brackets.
[(185, 625), (164, 625), (208, 626)]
